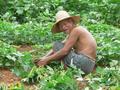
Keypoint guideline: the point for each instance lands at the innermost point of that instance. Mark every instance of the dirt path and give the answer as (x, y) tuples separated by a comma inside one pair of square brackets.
[(8, 78), (23, 48)]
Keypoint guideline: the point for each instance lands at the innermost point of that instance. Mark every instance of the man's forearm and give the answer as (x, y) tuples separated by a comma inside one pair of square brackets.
[(49, 53), (61, 53)]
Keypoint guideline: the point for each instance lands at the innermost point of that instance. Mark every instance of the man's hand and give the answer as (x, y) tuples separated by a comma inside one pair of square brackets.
[(41, 62)]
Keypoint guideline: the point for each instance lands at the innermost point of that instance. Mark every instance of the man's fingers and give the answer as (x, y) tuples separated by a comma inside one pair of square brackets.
[(36, 61), (41, 63)]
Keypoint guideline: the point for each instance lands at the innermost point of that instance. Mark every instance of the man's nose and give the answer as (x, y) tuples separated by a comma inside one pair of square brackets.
[(64, 27)]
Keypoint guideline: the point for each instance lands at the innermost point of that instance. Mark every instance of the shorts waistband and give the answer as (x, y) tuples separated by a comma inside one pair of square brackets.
[(92, 59)]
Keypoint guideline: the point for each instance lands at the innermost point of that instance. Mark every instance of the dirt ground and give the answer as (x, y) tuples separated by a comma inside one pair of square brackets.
[(5, 75), (23, 48), (8, 78)]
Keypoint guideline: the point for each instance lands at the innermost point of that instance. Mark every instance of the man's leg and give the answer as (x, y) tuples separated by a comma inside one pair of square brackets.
[(66, 60), (56, 47), (83, 62), (79, 60)]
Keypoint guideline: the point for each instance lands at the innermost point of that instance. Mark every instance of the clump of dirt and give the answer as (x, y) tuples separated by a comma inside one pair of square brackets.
[(7, 77), (23, 48)]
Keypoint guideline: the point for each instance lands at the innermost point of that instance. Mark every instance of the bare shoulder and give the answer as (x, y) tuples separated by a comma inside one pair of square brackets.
[(79, 30), (83, 30), (75, 33)]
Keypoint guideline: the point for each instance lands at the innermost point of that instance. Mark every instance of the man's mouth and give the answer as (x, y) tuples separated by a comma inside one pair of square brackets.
[(65, 30)]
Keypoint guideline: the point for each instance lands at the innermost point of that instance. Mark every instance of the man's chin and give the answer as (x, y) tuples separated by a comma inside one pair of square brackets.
[(67, 32)]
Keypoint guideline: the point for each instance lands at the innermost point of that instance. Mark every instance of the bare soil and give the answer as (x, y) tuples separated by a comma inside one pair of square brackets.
[(8, 78), (23, 48)]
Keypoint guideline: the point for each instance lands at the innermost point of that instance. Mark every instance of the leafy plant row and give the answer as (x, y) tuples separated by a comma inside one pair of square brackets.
[(105, 77), (19, 63), (107, 37), (49, 78), (108, 42), (56, 78), (29, 33), (44, 10)]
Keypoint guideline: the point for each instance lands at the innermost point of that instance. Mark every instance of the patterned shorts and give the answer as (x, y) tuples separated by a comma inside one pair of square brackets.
[(81, 61)]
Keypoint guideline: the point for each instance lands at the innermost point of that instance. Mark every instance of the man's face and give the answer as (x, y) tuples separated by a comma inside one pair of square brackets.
[(66, 25)]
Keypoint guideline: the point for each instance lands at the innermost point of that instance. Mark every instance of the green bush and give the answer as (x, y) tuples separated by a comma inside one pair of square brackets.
[(107, 37), (106, 77), (19, 63), (29, 33), (53, 78), (108, 42), (22, 11)]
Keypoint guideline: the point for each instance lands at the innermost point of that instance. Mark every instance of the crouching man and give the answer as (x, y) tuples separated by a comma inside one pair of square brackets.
[(78, 48)]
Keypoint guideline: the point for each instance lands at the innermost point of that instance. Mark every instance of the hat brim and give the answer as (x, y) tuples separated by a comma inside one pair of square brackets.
[(55, 28)]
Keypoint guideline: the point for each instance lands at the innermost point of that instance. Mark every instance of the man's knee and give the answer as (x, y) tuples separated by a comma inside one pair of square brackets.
[(57, 46)]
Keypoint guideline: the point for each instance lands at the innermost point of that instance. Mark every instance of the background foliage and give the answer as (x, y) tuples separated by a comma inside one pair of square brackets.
[(29, 22), (22, 11)]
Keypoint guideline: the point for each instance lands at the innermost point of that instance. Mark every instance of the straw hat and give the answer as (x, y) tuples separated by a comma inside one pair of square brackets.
[(62, 15)]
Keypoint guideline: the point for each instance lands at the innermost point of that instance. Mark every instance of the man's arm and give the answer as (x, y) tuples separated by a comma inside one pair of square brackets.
[(64, 41), (49, 53), (67, 47)]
